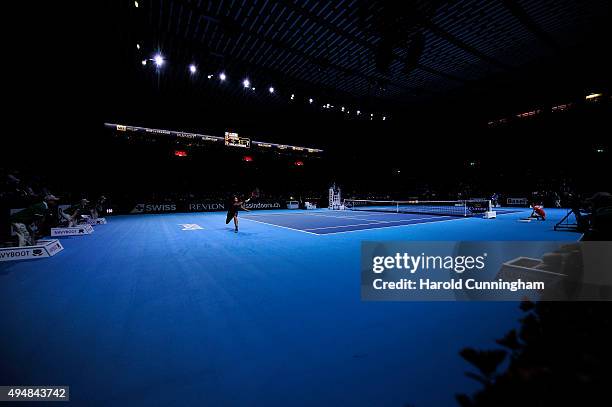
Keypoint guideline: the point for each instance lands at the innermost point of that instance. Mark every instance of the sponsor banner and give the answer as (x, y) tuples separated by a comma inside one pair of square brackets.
[(486, 271), (201, 206), (517, 202), (97, 221), (263, 205), (221, 206), (206, 206), (72, 231), (154, 208), (43, 249)]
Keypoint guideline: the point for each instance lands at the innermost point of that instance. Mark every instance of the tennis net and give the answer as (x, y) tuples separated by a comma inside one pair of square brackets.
[(443, 208)]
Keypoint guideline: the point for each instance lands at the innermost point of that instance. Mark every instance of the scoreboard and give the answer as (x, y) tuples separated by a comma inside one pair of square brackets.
[(233, 140)]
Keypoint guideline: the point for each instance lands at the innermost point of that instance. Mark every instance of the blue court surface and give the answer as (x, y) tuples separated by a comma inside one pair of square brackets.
[(151, 310), (325, 222)]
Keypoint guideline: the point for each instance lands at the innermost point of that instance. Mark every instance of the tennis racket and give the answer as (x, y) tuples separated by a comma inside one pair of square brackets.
[(254, 195)]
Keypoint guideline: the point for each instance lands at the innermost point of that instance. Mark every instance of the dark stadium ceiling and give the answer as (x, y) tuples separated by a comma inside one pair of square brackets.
[(387, 52)]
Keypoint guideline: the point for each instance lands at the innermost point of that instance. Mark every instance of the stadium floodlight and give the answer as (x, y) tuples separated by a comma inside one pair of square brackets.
[(246, 83), (271, 89), (159, 60), (192, 68), (593, 96), (222, 76)]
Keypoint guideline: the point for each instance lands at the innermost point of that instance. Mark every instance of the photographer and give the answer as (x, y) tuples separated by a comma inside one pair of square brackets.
[(22, 221)]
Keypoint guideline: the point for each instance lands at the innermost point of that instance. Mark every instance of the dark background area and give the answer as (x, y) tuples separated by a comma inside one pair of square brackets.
[(441, 71), (75, 68)]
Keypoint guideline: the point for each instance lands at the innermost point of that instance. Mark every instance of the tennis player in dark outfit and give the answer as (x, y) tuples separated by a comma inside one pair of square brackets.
[(234, 207)]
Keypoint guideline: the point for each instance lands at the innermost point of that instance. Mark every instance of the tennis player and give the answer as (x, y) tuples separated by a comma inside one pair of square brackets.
[(235, 206), (538, 212)]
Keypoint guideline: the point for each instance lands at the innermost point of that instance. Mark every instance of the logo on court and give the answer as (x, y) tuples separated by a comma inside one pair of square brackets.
[(191, 226)]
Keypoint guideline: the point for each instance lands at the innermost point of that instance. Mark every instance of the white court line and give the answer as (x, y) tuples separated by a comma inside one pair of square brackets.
[(358, 230), (371, 220), (389, 227), (336, 217), (279, 226), (379, 221), (512, 213), (358, 217), (431, 220), (316, 213), (364, 216), (304, 212)]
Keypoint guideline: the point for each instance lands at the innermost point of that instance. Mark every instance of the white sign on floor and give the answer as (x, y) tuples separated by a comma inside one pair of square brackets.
[(78, 230), (191, 226), (42, 249)]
